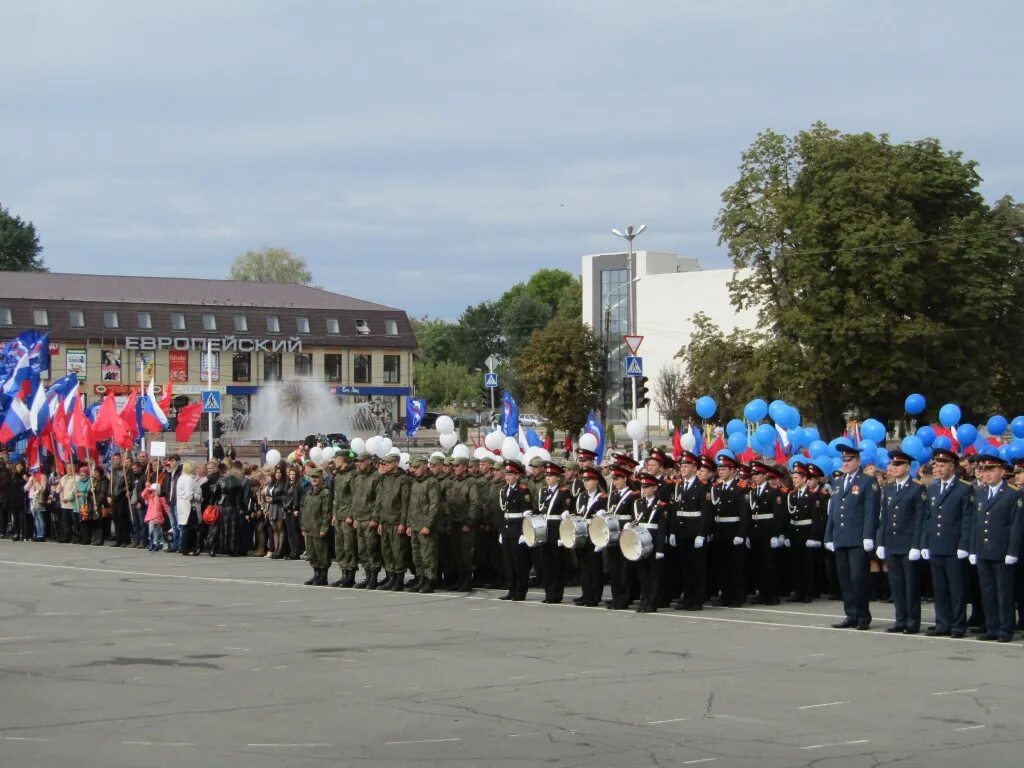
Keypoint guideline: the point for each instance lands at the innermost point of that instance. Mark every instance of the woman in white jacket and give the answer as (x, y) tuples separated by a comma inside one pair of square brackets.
[(186, 509)]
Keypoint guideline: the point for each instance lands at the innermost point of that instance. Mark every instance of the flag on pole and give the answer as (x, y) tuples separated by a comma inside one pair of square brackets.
[(17, 422), (153, 418), (509, 415), (188, 418), (595, 428), (415, 408)]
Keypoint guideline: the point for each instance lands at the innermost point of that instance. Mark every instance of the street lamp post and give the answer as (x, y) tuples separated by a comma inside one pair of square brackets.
[(629, 235)]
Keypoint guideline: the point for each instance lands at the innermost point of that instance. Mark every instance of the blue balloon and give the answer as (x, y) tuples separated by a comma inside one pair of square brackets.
[(914, 404), (942, 442), (706, 407), (868, 458), (867, 446), (925, 456), (997, 425), (912, 445), (737, 442), (915, 468), (949, 415), (873, 429), (796, 438), (818, 448), (789, 418), (1004, 453), (766, 435), (811, 434), (966, 434), (1017, 426), (755, 410), (927, 435), (825, 465), (881, 458), (988, 450), (837, 465), (735, 425), (776, 409), (1016, 449)]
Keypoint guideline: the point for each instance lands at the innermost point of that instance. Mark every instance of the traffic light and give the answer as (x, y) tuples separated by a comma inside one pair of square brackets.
[(627, 394), (642, 400)]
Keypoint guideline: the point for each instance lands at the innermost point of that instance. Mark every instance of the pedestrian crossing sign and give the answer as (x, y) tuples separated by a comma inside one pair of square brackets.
[(491, 380), (634, 365), (211, 401)]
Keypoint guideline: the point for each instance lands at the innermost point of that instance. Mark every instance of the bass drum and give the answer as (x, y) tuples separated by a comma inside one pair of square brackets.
[(636, 544), (604, 531), (573, 532), (535, 531)]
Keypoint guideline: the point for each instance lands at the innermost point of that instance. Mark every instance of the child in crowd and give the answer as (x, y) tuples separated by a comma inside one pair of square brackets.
[(156, 513)]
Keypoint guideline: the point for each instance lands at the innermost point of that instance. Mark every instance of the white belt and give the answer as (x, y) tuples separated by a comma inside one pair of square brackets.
[(689, 514), (624, 518), (513, 515), (802, 522), (649, 526), (727, 519), (552, 517), (762, 517)]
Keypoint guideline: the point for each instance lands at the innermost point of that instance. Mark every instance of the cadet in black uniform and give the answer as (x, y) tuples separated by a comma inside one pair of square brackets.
[(806, 528), (554, 505), (514, 502), (620, 506), (692, 519), (649, 513), (732, 518), (591, 502), (767, 529)]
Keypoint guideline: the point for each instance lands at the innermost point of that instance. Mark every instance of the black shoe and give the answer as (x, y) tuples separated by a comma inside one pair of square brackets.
[(578, 600), (386, 584), (413, 584), (986, 637), (339, 583), (957, 633), (506, 597), (1004, 638), (371, 583), (311, 580), (398, 581), (427, 588), (911, 630), (896, 628), (362, 584), (844, 625), (933, 632), (864, 625)]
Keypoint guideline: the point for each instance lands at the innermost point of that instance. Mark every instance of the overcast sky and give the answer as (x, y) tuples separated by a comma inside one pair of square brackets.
[(427, 155)]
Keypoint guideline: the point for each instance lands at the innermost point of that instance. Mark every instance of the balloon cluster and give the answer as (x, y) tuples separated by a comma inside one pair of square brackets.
[(508, 447)]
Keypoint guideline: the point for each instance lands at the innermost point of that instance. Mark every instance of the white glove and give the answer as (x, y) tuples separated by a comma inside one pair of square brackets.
[(1010, 560), (773, 542), (736, 541), (698, 542), (565, 515), (961, 554), (527, 513), (660, 555), (671, 539), (915, 555), (830, 546), (748, 542), (522, 539), (559, 543), (627, 526), (812, 544), (926, 555), (869, 545), (598, 549), (500, 540), (972, 559), (601, 513), (786, 542), (880, 553)]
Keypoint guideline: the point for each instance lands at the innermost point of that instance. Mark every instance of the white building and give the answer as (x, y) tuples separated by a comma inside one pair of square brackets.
[(668, 290)]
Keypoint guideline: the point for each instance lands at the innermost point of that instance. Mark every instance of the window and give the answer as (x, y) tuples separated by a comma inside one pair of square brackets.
[(5, 317), (332, 326), (241, 367), (76, 318), (273, 324), (332, 367), (362, 327), (303, 364), (209, 323), (391, 327), (302, 324), (241, 323), (40, 317), (392, 369), (145, 320), (361, 368), (271, 366), (177, 321), (110, 320)]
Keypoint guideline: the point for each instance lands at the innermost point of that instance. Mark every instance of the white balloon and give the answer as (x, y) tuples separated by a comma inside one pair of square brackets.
[(687, 441), (371, 445), (531, 451), (273, 457), (444, 425), (494, 439), (588, 442), (316, 454), (636, 429), (394, 452), (544, 454), (358, 445), (510, 449), (330, 452), (480, 452), (386, 444), (460, 451), (403, 460), (447, 440)]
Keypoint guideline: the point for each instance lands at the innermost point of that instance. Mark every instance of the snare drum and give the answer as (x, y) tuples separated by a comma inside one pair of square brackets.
[(604, 531), (535, 531), (636, 544), (573, 532)]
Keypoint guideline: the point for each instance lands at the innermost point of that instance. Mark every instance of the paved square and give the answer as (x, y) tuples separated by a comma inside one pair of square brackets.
[(113, 657)]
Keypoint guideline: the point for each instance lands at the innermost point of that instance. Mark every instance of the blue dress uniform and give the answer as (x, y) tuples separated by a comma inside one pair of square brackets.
[(900, 534), (946, 538), (996, 534), (852, 524)]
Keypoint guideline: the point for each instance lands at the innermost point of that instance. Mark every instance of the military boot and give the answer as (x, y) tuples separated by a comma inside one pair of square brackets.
[(371, 583), (312, 579), (348, 578), (323, 577), (386, 584), (366, 579), (398, 585), (426, 587), (413, 583)]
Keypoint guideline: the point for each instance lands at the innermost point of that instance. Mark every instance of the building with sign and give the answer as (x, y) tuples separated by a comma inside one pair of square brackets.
[(117, 332), (667, 291)]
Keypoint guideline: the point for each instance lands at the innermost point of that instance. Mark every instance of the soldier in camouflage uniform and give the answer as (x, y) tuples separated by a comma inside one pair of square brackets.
[(392, 502), (421, 523), (316, 523), (364, 495), (441, 540), (463, 511), (345, 536)]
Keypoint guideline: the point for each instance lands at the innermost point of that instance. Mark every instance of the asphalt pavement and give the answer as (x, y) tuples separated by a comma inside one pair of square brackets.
[(122, 658)]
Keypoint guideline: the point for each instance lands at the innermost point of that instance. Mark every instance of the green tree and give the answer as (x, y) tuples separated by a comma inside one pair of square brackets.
[(437, 339), (560, 369), (672, 395), (19, 245), (875, 268), (445, 383), (271, 265), (570, 302)]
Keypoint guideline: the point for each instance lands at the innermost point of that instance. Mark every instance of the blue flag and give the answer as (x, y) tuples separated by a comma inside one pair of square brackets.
[(533, 439), (415, 408), (594, 427), (509, 415)]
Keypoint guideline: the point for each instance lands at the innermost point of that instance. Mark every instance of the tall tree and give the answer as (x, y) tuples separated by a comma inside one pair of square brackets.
[(20, 250), (271, 265), (673, 396), (560, 369), (445, 383)]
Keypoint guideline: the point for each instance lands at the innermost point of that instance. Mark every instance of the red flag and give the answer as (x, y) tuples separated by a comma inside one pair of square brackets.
[(128, 414), (51, 447), (188, 418), (59, 432), (677, 444), (121, 435), (713, 449), (82, 429), (106, 417), (165, 401)]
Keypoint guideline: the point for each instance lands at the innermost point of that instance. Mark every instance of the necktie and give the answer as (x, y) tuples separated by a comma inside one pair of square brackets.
[(991, 493), (846, 486), (942, 488)]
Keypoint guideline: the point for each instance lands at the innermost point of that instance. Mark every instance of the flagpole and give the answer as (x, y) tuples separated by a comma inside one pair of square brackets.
[(142, 436), (209, 386)]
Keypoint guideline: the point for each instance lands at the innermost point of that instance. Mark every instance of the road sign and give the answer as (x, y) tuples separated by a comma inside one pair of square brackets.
[(491, 362), (633, 343), (211, 401), (491, 380), (634, 365)]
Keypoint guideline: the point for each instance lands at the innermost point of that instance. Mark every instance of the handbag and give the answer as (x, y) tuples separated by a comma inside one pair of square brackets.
[(106, 512), (211, 515), (83, 513)]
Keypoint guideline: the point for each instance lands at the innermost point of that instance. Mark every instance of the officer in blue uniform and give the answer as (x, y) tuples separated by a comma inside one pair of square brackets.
[(996, 534), (850, 533), (899, 541), (945, 542)]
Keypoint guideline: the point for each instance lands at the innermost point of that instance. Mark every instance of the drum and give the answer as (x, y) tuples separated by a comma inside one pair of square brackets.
[(636, 544), (535, 531), (573, 532), (604, 531)]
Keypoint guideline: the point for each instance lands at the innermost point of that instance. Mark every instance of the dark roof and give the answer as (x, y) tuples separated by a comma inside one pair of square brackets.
[(115, 289)]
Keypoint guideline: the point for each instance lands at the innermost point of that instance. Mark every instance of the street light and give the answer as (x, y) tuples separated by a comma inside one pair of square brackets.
[(630, 235)]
